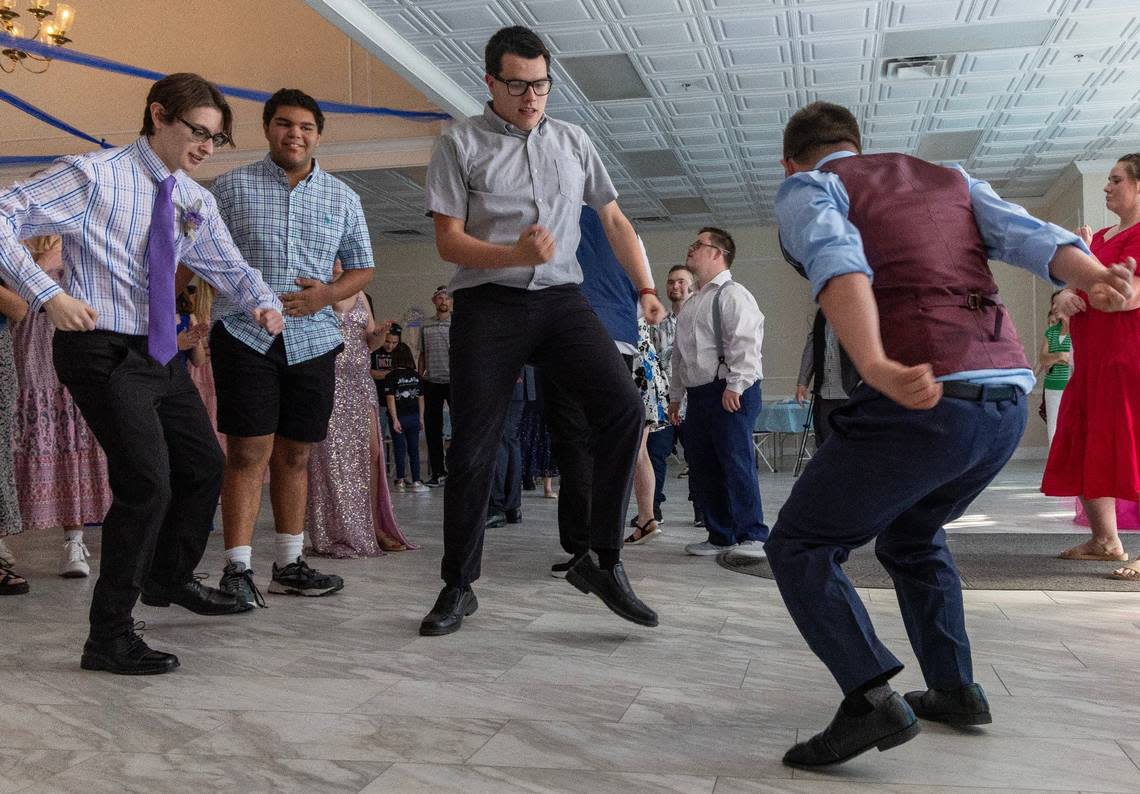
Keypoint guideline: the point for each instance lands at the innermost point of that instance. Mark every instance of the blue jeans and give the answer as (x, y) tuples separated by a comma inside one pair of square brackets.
[(659, 445), (722, 469), (407, 442), (895, 476)]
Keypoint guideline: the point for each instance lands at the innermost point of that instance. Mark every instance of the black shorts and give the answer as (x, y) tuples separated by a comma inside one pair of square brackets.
[(261, 394)]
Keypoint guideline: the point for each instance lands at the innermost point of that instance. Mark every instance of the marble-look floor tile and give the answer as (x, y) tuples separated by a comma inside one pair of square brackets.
[(988, 761), (729, 785), (21, 768), (346, 737), (103, 728), (722, 707), (627, 671), (659, 749), (427, 779), (141, 773), (544, 701)]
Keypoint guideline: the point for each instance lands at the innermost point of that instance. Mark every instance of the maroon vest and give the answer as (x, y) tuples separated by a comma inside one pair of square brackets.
[(938, 302)]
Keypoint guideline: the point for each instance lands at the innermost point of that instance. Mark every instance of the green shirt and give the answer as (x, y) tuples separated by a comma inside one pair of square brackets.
[(1058, 374)]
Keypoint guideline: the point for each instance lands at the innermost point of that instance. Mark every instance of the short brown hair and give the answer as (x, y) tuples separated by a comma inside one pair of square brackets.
[(1132, 165), (723, 240), (515, 40), (819, 125), (183, 91), (686, 268)]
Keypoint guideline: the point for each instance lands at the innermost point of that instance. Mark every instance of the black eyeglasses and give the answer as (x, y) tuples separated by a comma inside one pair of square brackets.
[(698, 244), (519, 87), (201, 134)]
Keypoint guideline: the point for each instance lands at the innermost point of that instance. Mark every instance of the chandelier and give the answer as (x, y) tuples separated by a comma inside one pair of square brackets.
[(52, 27)]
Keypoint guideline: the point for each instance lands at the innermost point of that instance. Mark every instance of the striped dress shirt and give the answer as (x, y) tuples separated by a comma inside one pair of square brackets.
[(290, 233), (101, 205)]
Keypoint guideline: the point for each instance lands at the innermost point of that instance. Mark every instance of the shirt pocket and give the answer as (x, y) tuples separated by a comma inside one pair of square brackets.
[(322, 229), (571, 178)]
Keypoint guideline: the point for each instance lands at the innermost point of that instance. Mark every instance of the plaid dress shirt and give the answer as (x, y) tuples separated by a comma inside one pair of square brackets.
[(289, 234), (101, 205)]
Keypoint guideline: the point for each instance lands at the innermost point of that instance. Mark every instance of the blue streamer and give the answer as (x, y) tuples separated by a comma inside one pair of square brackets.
[(38, 159), (47, 118), (33, 47)]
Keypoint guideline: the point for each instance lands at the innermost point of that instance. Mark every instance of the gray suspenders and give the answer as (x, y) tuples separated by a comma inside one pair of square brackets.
[(718, 330)]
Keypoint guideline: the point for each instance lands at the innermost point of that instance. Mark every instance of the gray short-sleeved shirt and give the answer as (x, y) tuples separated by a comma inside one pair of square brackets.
[(500, 180)]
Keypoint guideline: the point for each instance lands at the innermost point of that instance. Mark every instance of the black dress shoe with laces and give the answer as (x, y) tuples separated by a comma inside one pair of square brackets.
[(126, 654), (195, 596), (963, 706), (496, 520), (514, 516), (890, 724), (453, 604), (612, 586)]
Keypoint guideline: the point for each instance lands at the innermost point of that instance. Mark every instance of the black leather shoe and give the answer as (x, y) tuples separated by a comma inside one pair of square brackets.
[(514, 516), (889, 725), (963, 706), (453, 604), (126, 654), (195, 596), (496, 520), (613, 588)]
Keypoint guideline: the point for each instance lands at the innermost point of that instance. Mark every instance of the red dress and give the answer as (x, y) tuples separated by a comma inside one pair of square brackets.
[(1096, 451)]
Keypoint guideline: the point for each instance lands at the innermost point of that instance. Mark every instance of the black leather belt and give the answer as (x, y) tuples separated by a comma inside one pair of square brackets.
[(961, 390)]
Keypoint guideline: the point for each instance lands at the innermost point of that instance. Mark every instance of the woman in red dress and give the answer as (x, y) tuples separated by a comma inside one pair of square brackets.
[(1096, 453)]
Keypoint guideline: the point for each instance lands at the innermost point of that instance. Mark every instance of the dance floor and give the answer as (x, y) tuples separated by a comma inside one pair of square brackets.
[(544, 690)]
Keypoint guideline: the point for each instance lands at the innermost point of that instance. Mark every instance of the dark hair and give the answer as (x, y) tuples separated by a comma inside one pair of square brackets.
[(723, 240), (816, 126), (686, 268), (184, 303), (181, 92), (402, 357), (1132, 164), (515, 40), (292, 98)]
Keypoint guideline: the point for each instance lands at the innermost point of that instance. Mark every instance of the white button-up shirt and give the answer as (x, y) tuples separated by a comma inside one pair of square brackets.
[(694, 360)]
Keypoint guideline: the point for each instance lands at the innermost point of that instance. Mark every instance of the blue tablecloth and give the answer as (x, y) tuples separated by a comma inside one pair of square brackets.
[(783, 417)]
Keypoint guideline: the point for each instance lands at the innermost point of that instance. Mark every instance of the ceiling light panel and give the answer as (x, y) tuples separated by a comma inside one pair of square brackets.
[(652, 163), (965, 38), (604, 78)]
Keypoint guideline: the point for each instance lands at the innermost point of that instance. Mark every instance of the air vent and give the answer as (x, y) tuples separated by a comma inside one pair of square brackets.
[(652, 219), (687, 205), (405, 233), (917, 67), (605, 77)]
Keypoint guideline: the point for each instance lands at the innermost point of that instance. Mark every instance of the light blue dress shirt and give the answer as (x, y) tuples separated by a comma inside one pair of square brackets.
[(812, 207)]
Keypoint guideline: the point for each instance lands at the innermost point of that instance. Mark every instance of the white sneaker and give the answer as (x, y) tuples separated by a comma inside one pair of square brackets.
[(399, 486), (419, 487), (7, 558), (73, 563), (707, 549), (750, 548)]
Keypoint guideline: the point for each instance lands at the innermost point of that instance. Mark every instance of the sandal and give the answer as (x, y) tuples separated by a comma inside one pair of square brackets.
[(1097, 552), (12, 583), (7, 558), (1127, 573), (642, 533)]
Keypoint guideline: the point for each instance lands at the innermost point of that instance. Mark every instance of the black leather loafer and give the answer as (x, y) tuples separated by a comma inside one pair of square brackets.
[(453, 604), (195, 596), (889, 725), (613, 588), (514, 516), (495, 520), (963, 706), (126, 655)]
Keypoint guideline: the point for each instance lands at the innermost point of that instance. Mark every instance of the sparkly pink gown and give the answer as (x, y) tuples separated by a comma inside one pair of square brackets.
[(343, 517), (61, 472)]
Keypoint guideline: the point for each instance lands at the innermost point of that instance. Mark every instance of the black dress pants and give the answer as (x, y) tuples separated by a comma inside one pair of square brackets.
[(163, 462), (495, 331), (435, 395)]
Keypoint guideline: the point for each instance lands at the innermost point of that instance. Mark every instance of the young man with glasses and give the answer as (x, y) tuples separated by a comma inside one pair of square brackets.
[(127, 216), (292, 220), (716, 368), (506, 190)]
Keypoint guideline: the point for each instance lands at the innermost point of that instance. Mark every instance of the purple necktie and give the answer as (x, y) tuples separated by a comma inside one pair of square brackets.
[(162, 341)]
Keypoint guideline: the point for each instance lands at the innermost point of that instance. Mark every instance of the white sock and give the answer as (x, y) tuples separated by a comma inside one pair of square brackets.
[(73, 534), (289, 548), (242, 554)]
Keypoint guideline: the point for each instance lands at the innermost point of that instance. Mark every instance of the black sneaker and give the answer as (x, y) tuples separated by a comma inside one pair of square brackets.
[(238, 579), (435, 482), (657, 516), (297, 578)]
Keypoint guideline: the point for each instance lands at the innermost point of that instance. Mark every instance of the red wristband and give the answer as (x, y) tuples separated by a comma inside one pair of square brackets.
[(647, 291)]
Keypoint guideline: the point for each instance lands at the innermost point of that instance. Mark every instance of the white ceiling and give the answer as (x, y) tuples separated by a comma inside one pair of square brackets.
[(725, 75)]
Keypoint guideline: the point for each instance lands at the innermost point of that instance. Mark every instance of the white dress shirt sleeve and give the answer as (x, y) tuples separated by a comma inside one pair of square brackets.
[(743, 324)]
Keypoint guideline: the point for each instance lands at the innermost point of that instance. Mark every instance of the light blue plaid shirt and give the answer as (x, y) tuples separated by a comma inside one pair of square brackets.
[(101, 205), (290, 234)]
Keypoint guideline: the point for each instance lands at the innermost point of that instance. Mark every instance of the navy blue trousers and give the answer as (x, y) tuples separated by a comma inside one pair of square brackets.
[(895, 476), (407, 443), (506, 490), (659, 446), (722, 468)]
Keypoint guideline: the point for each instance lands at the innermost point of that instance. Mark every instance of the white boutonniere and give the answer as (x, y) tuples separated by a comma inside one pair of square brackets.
[(191, 219)]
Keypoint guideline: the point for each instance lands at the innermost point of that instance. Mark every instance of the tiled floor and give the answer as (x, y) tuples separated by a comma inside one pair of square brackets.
[(544, 690)]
